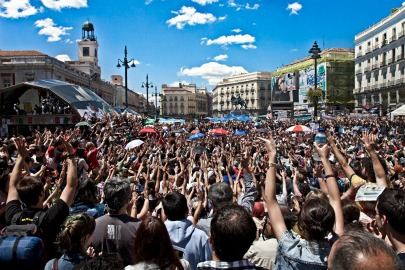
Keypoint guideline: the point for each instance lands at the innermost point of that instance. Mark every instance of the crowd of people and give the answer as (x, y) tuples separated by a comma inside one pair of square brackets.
[(264, 199)]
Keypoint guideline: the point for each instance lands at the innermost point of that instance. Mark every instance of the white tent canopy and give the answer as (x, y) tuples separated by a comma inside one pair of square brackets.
[(398, 112)]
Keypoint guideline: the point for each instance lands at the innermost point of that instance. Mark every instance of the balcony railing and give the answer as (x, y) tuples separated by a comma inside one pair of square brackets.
[(384, 42), (360, 53), (375, 66), (368, 50), (383, 85), (401, 34), (400, 57), (358, 72), (390, 60), (375, 47), (367, 88), (390, 83), (367, 69), (383, 63), (393, 38), (400, 81)]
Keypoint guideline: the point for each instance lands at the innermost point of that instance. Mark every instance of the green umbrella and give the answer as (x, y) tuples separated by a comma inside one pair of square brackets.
[(81, 124), (149, 121)]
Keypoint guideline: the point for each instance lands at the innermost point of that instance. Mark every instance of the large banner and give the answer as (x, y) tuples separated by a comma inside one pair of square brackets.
[(284, 87), (307, 81)]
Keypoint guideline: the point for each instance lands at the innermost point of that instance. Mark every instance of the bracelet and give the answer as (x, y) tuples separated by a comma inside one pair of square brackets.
[(329, 176), (272, 164)]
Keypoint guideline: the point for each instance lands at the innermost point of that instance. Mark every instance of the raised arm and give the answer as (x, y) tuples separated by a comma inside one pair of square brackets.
[(333, 189), (269, 195), (17, 170), (339, 157), (69, 191), (369, 143)]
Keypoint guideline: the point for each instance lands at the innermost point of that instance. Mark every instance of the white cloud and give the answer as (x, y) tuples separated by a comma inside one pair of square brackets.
[(147, 2), (63, 57), (68, 40), (249, 46), (48, 28), (254, 7), (204, 2), (233, 39), (16, 9), (59, 4), (190, 16), (212, 71), (221, 57), (222, 18), (294, 7), (231, 3), (293, 50), (237, 30)]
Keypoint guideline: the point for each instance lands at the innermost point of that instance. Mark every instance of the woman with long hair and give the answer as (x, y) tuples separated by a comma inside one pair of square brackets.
[(73, 241), (86, 200), (153, 248)]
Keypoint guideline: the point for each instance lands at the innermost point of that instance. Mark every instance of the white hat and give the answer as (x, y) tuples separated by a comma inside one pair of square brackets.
[(210, 173)]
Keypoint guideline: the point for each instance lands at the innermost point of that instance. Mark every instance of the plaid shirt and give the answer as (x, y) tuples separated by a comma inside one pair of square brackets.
[(243, 264)]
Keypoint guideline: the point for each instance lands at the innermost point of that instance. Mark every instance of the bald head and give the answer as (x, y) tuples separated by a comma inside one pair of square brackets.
[(362, 250)]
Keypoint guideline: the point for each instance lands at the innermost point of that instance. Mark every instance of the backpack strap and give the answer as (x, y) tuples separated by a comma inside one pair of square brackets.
[(55, 265), (15, 246), (38, 218), (16, 218)]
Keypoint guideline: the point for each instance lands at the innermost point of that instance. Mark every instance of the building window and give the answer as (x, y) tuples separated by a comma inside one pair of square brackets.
[(95, 52), (6, 82), (86, 51)]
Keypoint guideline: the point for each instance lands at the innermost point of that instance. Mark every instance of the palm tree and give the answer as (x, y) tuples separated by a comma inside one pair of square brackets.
[(314, 95)]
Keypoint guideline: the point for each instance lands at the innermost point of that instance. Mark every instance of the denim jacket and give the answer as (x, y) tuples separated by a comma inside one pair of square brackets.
[(294, 252)]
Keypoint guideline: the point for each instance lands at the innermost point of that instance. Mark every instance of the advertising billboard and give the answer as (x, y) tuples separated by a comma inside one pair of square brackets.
[(307, 81), (284, 87)]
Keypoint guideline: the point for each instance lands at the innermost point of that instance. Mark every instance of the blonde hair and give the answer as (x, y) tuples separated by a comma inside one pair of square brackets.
[(74, 231)]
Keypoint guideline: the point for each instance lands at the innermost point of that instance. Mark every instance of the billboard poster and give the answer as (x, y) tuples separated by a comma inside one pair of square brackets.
[(284, 87), (307, 81)]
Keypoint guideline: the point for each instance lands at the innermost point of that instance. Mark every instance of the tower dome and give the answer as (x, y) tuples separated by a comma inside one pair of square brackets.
[(88, 31), (88, 26)]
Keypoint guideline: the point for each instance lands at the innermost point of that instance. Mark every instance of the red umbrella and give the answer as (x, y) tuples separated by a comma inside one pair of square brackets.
[(147, 130), (298, 128), (219, 131), (195, 131)]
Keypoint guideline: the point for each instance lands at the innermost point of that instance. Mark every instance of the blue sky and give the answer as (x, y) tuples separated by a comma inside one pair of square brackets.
[(193, 41)]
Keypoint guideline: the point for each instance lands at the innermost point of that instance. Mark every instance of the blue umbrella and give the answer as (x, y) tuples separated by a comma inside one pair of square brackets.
[(240, 133), (196, 136)]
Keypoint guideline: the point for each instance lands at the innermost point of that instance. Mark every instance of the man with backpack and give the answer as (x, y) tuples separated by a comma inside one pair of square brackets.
[(26, 198)]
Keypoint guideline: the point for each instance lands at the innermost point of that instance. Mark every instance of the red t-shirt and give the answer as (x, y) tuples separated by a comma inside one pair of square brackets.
[(92, 159)]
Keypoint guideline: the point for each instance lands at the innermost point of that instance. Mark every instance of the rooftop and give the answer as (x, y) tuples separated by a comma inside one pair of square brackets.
[(21, 53)]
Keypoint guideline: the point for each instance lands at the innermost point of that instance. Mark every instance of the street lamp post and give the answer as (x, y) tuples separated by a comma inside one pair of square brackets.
[(156, 107), (315, 51), (126, 67), (147, 85)]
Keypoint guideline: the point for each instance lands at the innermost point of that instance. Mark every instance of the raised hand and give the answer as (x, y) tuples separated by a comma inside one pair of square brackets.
[(20, 145), (322, 151), (270, 145)]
